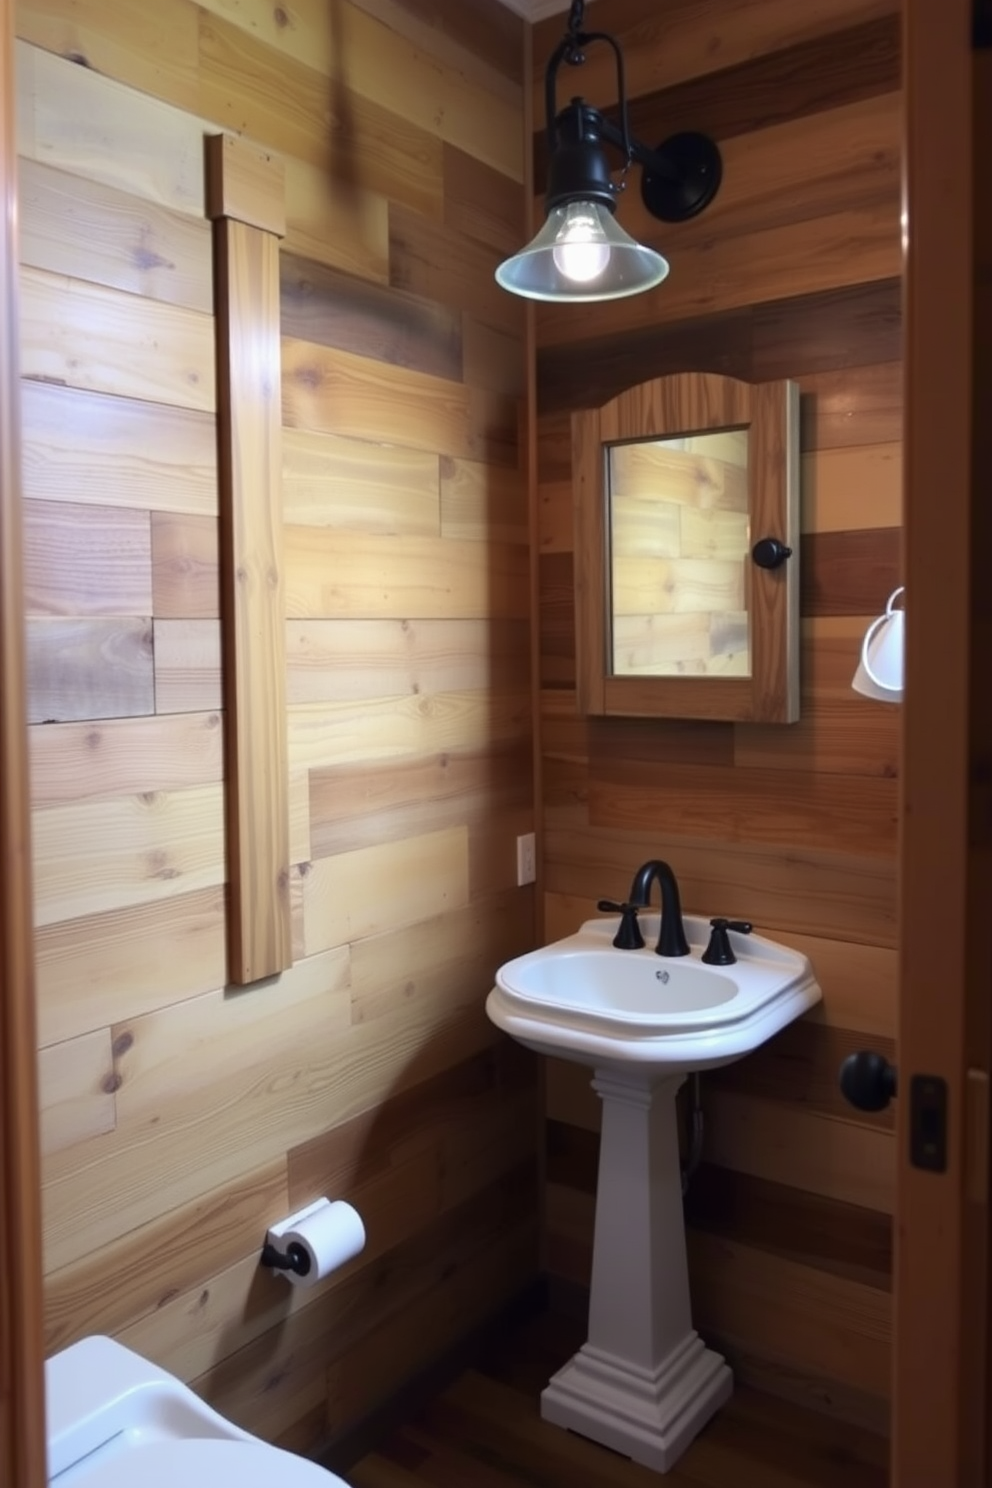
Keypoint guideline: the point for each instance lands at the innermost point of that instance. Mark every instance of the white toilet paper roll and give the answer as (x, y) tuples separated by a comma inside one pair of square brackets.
[(328, 1233)]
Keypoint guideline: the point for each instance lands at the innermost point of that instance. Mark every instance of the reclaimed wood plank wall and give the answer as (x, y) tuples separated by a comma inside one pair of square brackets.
[(792, 272), (179, 1117)]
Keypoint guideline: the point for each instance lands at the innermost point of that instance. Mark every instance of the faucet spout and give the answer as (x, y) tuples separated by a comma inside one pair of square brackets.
[(671, 936)]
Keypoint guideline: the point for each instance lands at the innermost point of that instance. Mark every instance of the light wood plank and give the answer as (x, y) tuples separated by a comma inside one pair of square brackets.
[(187, 666), (86, 560), (73, 762), (847, 489), (346, 660), (102, 855), (77, 1085), (95, 232), (251, 563), (137, 1273), (414, 82), (83, 335), (245, 184), (107, 451), (185, 567), (361, 893), (331, 480), (344, 575), (387, 728), (152, 48), (248, 87), (89, 668), (484, 503), (109, 967), (80, 121), (336, 223)]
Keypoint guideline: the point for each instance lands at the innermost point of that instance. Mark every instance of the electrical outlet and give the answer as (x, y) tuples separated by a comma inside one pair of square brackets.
[(526, 859)]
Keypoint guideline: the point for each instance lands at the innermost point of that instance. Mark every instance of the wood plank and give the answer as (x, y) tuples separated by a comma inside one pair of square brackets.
[(103, 340), (427, 258), (496, 37), (102, 855), (840, 813), (86, 560), (336, 222), (690, 44), (837, 1328), (845, 490), (337, 392), (84, 122), (360, 893), (809, 890), (187, 666), (333, 481), (850, 573), (328, 307), (109, 451), (153, 50), (857, 405), (345, 660), (185, 566), (387, 728), (91, 231), (245, 184), (849, 247), (453, 956), (567, 735), (352, 808), (790, 336), (110, 967), (344, 575), (493, 358), (832, 1158), (89, 668), (22, 1387), (248, 87), (136, 1274), (252, 575), (482, 203), (484, 503), (77, 1085), (75, 762), (248, 1118)]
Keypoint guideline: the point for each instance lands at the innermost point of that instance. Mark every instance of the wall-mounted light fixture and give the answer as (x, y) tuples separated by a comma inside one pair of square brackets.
[(582, 252)]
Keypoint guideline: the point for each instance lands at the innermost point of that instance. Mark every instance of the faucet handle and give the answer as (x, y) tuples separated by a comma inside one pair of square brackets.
[(628, 937), (719, 951)]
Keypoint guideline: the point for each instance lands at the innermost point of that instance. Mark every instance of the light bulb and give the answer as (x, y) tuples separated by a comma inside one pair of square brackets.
[(581, 252)]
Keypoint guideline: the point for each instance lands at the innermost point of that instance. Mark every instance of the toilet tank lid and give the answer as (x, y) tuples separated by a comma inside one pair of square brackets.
[(205, 1464)]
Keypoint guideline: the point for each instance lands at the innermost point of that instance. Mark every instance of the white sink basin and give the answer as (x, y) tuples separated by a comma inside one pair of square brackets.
[(583, 999)]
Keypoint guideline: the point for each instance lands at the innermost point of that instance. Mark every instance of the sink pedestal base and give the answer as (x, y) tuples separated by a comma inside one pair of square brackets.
[(644, 1383)]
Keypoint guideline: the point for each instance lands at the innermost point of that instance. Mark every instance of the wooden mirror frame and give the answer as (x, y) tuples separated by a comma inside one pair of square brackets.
[(694, 403)]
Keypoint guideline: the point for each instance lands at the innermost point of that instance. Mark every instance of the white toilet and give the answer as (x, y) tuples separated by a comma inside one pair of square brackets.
[(116, 1421)]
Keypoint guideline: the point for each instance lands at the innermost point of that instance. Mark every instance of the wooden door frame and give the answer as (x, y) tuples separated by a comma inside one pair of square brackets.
[(22, 1401), (940, 1368)]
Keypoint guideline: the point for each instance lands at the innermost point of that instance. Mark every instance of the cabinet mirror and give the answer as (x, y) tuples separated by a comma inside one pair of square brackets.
[(686, 498)]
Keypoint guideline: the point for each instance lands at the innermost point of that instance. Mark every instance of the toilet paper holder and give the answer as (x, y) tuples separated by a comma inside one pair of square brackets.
[(295, 1259)]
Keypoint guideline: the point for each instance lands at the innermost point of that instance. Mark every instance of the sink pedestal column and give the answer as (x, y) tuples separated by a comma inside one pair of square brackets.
[(644, 1383)]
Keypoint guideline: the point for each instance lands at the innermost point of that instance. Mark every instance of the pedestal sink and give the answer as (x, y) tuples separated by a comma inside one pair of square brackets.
[(644, 1383)]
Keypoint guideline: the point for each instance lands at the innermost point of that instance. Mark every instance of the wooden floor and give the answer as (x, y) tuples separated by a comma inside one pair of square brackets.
[(484, 1431)]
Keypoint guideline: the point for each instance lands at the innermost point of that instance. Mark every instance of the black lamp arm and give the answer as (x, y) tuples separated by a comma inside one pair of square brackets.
[(570, 49)]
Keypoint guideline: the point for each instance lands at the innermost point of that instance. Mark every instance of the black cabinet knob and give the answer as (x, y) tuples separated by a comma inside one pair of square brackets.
[(868, 1080), (768, 552)]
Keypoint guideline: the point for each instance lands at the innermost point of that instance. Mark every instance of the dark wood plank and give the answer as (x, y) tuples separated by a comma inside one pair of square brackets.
[(824, 73), (792, 337), (851, 406), (480, 202), (850, 573), (331, 308), (557, 620)]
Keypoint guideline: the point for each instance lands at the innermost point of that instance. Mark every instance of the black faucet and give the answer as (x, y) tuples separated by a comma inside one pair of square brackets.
[(671, 936)]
